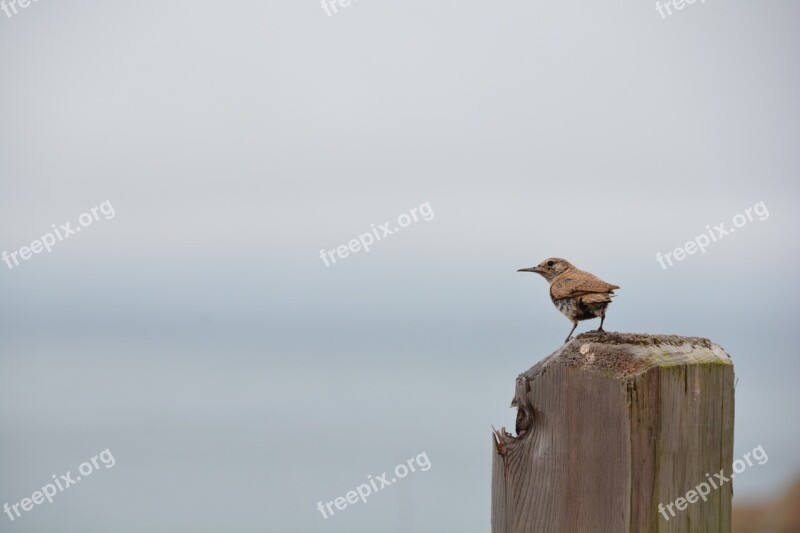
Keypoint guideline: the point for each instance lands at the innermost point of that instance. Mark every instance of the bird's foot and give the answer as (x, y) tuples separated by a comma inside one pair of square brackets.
[(567, 339)]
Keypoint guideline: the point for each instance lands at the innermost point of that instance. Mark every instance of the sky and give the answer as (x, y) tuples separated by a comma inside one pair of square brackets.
[(197, 328)]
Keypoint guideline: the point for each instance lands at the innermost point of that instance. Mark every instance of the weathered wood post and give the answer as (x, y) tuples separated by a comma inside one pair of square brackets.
[(609, 427)]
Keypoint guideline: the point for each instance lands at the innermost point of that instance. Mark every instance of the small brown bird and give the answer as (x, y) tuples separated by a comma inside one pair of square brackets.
[(577, 294)]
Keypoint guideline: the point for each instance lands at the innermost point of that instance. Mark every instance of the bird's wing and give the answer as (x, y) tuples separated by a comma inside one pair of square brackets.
[(596, 298), (572, 284)]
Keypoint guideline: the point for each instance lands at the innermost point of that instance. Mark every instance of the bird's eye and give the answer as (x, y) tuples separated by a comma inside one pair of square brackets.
[(550, 263)]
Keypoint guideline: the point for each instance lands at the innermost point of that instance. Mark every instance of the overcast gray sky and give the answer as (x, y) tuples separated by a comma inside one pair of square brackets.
[(237, 380)]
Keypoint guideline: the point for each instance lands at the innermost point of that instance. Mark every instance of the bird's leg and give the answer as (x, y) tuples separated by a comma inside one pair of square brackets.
[(574, 325), (602, 319)]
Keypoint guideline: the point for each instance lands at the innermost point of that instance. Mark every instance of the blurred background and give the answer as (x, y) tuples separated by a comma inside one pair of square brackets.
[(236, 379)]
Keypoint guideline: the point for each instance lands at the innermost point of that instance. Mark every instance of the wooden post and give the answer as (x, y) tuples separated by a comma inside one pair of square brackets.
[(609, 427)]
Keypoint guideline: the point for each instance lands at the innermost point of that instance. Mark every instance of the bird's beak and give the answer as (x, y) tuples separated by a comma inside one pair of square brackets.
[(531, 269)]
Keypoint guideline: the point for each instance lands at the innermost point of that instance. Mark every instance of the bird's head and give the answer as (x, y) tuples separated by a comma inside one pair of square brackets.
[(550, 268)]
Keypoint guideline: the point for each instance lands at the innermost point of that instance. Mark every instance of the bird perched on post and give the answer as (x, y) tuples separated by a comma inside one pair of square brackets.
[(577, 294)]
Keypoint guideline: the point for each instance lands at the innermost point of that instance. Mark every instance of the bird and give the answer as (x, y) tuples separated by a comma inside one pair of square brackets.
[(577, 294)]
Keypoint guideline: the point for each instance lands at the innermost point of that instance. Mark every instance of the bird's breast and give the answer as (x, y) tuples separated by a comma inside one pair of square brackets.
[(567, 306)]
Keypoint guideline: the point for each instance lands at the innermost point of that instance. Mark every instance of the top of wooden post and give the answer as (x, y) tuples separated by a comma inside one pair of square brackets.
[(623, 355)]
